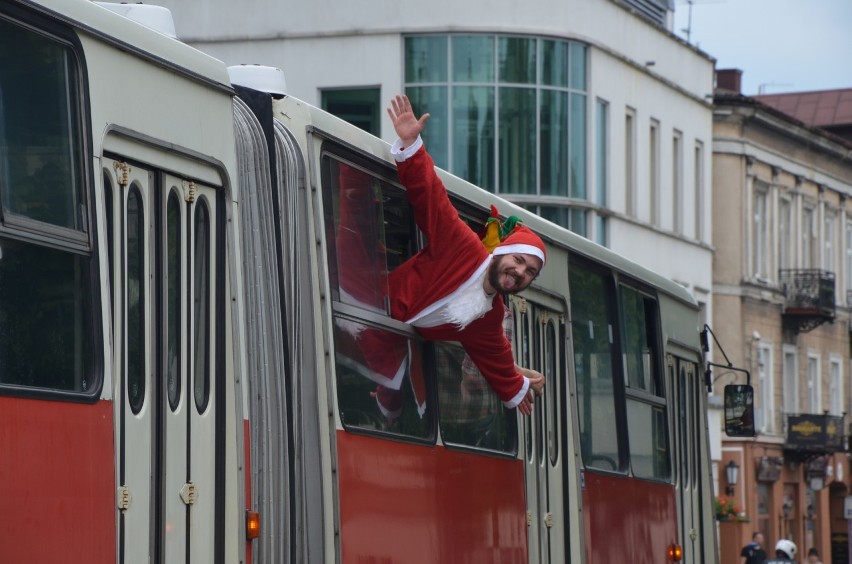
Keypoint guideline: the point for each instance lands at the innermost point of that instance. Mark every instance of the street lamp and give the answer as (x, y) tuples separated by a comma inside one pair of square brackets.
[(732, 472)]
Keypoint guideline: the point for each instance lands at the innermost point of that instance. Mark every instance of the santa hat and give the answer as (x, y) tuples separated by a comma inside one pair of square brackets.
[(523, 241)]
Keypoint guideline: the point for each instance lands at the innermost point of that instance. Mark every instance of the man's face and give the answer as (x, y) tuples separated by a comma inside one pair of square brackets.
[(509, 274), (759, 539)]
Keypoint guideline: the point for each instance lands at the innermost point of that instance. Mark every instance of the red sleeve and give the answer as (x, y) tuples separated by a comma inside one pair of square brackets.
[(484, 341), (434, 214)]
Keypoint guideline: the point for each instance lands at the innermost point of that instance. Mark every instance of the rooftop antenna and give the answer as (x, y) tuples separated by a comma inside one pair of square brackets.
[(688, 29), (761, 88)]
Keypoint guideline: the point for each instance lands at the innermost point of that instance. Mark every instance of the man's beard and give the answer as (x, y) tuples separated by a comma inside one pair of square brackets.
[(494, 277)]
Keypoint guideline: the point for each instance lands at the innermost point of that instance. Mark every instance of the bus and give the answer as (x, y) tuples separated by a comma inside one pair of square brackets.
[(183, 373)]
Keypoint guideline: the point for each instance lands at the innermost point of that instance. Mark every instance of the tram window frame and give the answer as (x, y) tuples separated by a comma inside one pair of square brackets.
[(617, 462), (639, 394), (349, 317), (39, 232)]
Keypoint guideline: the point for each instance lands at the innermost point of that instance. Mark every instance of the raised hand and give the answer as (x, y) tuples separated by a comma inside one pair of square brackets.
[(406, 124)]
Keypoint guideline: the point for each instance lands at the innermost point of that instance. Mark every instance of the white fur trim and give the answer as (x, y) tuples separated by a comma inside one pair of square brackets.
[(520, 248), (443, 301), (401, 153), (515, 401)]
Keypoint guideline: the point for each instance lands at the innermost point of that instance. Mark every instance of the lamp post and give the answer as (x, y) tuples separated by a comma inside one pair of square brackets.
[(732, 472)]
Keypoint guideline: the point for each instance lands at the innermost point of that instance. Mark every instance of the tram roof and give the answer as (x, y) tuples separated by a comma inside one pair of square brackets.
[(124, 33), (550, 232)]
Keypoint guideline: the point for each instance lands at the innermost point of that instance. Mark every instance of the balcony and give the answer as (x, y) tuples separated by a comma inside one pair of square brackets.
[(809, 298)]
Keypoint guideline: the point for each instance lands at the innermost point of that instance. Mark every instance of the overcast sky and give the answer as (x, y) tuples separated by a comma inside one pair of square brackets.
[(780, 45)]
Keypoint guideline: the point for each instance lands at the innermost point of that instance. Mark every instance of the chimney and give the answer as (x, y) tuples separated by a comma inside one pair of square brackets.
[(729, 80)]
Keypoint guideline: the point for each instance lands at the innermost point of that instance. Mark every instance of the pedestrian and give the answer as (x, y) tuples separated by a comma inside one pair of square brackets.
[(753, 552)]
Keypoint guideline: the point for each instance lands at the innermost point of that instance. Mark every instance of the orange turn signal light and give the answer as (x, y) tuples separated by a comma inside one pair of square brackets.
[(252, 525), (674, 553)]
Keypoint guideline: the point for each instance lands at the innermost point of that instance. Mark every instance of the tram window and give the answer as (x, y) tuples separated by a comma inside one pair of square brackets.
[(136, 291), (44, 315), (202, 320), (470, 413), (380, 380), (646, 415), (591, 330), (173, 300), (41, 175), (552, 392), (370, 233)]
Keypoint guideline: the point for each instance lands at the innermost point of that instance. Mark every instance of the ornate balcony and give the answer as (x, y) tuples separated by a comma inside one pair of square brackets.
[(810, 298)]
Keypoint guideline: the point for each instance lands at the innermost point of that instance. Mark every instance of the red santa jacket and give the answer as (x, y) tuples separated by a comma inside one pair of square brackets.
[(452, 257)]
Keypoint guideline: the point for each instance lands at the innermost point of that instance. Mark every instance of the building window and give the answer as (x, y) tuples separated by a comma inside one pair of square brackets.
[(508, 114), (814, 387), (835, 383), (808, 237), (699, 191), (654, 170), (791, 380), (829, 247), (601, 167), (764, 412), (785, 232), (848, 259), (677, 182), (760, 232), (359, 106), (630, 161)]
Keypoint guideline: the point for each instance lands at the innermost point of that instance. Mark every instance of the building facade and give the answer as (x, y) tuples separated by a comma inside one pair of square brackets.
[(782, 292)]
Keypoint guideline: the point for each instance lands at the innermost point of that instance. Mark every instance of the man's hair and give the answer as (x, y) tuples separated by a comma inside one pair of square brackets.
[(754, 534)]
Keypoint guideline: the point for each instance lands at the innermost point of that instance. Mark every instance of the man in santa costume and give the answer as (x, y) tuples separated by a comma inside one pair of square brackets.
[(453, 288)]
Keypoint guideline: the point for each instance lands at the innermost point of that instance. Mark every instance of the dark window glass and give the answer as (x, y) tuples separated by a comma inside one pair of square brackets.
[(426, 59), (41, 174), (473, 134), (109, 195), (553, 136), (201, 315), (432, 100), (517, 140), (45, 311), (358, 106), (592, 329), (473, 58), (554, 63), (517, 59), (136, 290), (173, 301), (551, 390)]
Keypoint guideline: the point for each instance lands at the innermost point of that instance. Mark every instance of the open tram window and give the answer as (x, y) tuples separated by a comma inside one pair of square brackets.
[(379, 364), (645, 401), (47, 276)]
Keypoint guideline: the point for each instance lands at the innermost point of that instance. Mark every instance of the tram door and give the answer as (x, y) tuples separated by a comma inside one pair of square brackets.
[(685, 386), (540, 337), (163, 268)]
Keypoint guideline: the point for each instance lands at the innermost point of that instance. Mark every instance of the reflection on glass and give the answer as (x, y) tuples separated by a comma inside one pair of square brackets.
[(473, 134), (426, 59), (473, 58), (136, 289), (433, 100), (380, 383), (739, 410), (201, 316), (517, 59), (517, 141), (173, 293)]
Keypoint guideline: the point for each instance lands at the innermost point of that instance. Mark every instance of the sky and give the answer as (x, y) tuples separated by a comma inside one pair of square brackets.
[(780, 45)]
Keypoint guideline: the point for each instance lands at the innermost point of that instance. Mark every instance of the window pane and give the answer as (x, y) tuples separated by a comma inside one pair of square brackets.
[(173, 301), (517, 141), (473, 58), (136, 291), (578, 146), (517, 60), (426, 59), (473, 134), (44, 318), (638, 344), (551, 391), (553, 124), (434, 101), (470, 413), (40, 140), (358, 106), (380, 384), (578, 66), (646, 427), (201, 295), (371, 235), (591, 331), (554, 63)]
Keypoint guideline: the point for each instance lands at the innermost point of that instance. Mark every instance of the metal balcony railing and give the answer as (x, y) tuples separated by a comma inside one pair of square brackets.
[(809, 292)]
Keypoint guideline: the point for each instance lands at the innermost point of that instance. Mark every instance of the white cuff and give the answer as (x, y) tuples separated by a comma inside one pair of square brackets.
[(401, 153), (515, 401)]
